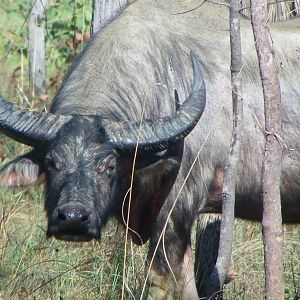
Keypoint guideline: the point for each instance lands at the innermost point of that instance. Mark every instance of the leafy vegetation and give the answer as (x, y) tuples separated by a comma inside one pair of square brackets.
[(33, 267), (67, 27)]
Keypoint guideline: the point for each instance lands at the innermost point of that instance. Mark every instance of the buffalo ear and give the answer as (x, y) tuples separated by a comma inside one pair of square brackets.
[(151, 177), (152, 185), (24, 170)]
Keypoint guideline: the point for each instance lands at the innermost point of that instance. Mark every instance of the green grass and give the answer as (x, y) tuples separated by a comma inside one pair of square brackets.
[(33, 267), (63, 19)]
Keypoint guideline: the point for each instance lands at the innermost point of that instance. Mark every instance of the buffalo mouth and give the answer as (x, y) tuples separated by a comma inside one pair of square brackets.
[(74, 237), (74, 222)]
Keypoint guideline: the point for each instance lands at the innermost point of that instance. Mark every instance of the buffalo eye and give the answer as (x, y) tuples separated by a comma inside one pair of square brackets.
[(51, 164), (110, 169), (107, 165)]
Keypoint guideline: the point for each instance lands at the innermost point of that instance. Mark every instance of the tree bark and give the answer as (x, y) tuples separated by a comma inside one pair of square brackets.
[(221, 268), (272, 220), (105, 11), (36, 47)]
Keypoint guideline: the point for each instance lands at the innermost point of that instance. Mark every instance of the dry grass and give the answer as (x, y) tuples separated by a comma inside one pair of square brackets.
[(248, 262), (33, 267), (278, 10)]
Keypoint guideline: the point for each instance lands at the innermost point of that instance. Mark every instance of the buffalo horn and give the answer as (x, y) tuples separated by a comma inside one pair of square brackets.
[(157, 135), (29, 127)]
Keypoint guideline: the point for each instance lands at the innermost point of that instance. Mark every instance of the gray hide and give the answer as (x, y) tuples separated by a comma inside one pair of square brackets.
[(151, 43)]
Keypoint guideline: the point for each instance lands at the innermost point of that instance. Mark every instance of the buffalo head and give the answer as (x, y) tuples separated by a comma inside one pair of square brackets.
[(87, 162)]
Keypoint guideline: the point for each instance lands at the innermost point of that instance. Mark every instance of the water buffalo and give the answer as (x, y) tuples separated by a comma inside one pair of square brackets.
[(121, 90)]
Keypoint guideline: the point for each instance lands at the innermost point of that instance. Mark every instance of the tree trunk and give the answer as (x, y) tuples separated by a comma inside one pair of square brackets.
[(36, 48), (272, 220), (219, 273), (104, 11)]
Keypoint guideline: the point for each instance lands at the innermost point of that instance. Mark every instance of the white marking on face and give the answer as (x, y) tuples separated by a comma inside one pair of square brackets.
[(78, 141)]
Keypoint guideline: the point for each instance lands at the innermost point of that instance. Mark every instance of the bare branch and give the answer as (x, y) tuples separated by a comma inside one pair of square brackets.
[(272, 220), (220, 271)]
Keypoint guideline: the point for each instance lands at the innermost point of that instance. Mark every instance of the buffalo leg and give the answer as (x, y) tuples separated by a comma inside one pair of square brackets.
[(172, 269), (206, 250), (188, 275), (164, 286)]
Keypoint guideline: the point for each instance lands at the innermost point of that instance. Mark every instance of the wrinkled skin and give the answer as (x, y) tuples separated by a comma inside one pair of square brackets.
[(80, 170)]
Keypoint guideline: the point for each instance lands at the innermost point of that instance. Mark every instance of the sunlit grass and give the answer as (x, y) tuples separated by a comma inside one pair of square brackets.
[(32, 266), (248, 262)]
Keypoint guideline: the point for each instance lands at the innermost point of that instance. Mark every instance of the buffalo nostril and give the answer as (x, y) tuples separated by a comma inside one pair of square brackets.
[(84, 218), (73, 215), (61, 215), (73, 221)]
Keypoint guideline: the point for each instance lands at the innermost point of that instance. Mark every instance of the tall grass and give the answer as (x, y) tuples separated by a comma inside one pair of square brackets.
[(33, 267), (248, 262)]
